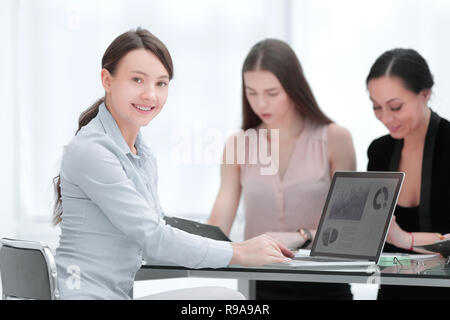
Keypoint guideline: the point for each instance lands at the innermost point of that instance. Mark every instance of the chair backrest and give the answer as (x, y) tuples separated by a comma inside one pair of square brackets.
[(28, 270)]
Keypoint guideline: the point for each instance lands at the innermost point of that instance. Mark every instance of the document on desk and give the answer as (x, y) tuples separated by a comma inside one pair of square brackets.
[(403, 259), (409, 256)]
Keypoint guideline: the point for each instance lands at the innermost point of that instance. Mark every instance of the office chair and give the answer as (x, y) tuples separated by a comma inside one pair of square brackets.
[(28, 270)]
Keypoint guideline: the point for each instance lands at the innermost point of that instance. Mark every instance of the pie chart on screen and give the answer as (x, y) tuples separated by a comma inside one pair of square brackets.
[(329, 236)]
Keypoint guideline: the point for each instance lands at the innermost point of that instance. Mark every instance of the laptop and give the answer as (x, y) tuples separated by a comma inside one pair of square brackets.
[(355, 220)]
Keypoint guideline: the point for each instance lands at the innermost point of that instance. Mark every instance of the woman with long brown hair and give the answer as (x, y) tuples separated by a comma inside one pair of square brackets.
[(107, 203), (280, 110)]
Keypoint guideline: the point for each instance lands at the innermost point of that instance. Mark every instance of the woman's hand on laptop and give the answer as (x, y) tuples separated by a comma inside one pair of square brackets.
[(259, 251), (289, 239), (292, 240)]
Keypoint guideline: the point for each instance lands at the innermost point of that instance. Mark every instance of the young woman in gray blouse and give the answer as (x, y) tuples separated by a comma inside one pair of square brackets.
[(107, 204)]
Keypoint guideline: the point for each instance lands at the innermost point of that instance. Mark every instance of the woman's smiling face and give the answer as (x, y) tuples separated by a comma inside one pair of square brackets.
[(398, 108), (138, 89)]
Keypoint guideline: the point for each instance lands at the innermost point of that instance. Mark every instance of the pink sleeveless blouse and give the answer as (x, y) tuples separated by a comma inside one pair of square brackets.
[(296, 201)]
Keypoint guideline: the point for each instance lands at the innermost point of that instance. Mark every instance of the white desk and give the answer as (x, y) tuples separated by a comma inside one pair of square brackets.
[(431, 272)]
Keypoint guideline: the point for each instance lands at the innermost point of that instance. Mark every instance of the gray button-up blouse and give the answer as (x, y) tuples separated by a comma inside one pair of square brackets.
[(112, 218)]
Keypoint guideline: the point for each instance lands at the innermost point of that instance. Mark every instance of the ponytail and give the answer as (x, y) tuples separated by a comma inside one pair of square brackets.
[(85, 117), (90, 113)]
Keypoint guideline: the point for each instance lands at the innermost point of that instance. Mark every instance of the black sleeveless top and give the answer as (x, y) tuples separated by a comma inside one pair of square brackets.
[(433, 212), (434, 209)]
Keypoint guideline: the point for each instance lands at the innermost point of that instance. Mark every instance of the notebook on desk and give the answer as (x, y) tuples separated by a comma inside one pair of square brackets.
[(194, 227), (355, 220)]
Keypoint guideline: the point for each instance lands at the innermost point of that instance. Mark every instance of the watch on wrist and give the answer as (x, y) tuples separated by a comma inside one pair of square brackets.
[(306, 234)]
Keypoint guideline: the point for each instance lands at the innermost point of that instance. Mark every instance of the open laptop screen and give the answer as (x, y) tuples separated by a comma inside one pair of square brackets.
[(357, 214)]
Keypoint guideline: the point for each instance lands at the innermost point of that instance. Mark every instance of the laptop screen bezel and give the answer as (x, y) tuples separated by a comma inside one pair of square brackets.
[(355, 174)]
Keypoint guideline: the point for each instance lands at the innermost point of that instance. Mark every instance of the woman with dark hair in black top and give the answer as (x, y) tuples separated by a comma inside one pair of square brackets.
[(399, 84)]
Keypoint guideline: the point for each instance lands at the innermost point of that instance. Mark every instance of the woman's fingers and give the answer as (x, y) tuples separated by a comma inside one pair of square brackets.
[(280, 247), (286, 251), (279, 260), (260, 251)]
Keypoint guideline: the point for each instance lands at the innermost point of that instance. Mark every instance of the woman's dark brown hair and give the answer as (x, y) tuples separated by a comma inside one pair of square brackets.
[(278, 57), (406, 64), (123, 44)]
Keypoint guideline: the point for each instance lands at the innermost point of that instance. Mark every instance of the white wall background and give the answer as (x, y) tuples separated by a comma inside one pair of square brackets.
[(50, 72), (338, 41)]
